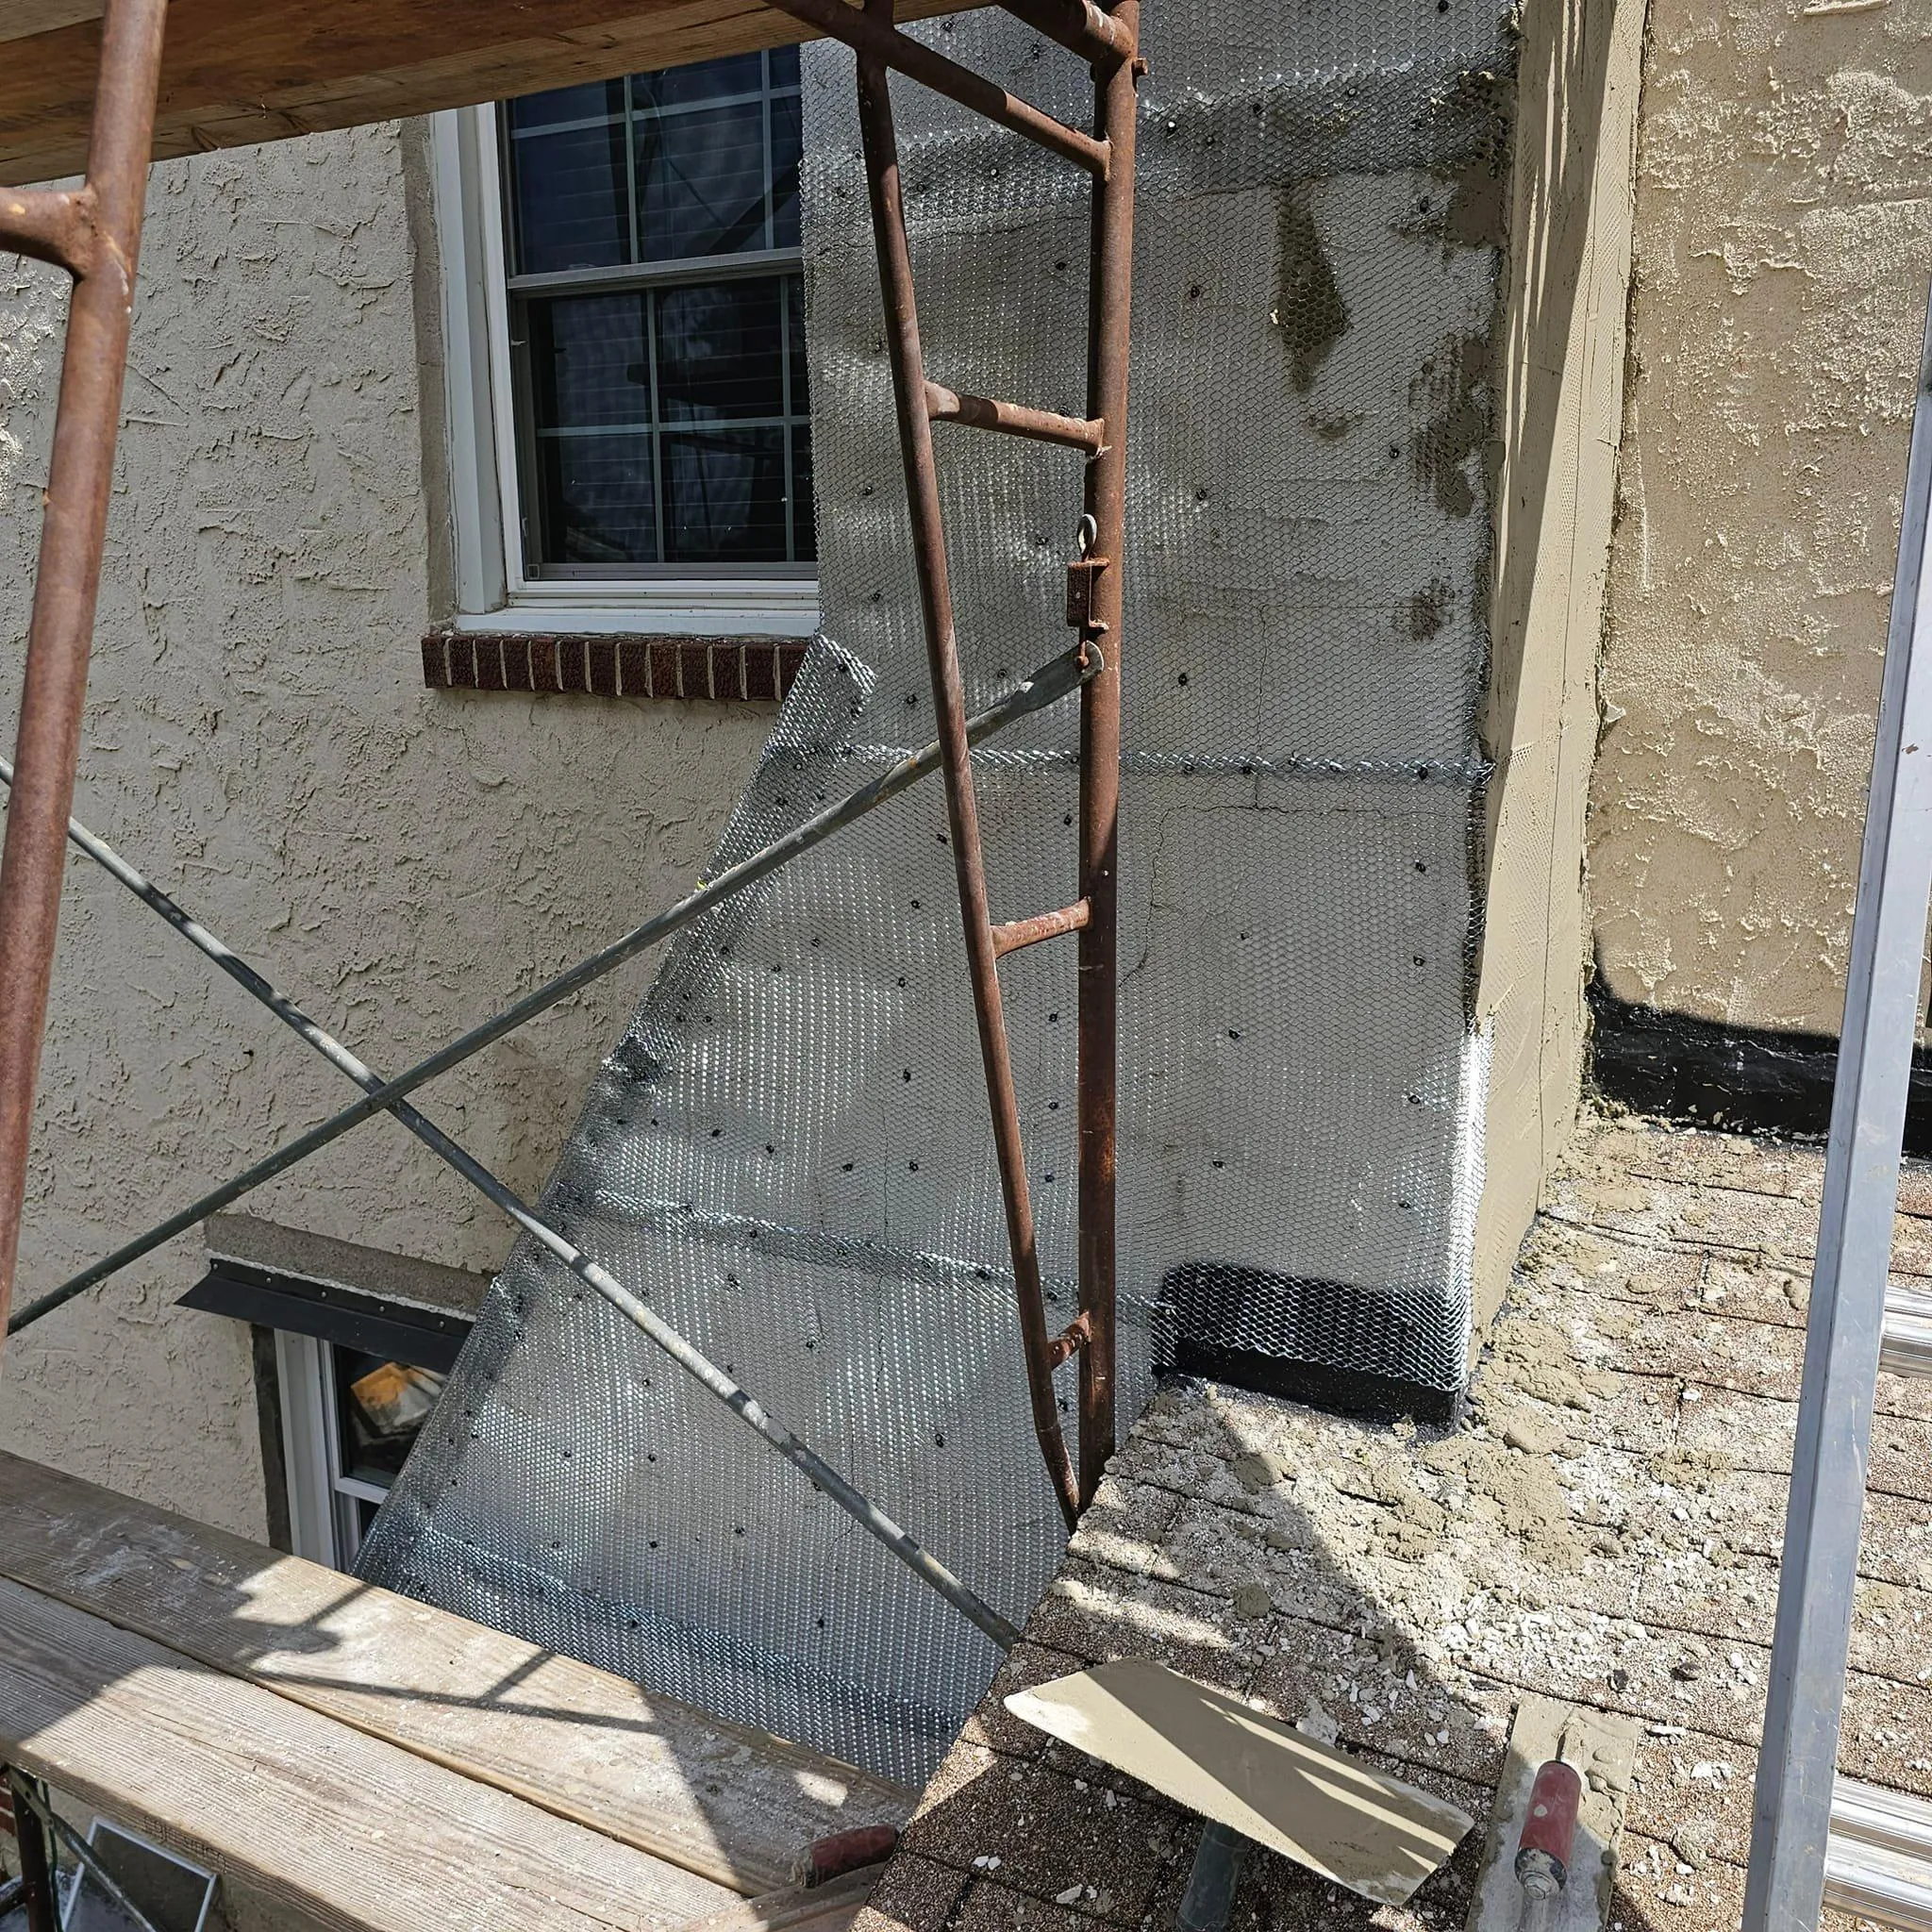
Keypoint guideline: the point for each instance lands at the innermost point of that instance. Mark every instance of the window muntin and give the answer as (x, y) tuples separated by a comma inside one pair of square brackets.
[(657, 324)]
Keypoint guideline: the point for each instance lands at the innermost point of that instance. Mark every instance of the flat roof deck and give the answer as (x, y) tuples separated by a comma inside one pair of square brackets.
[(233, 74), (1604, 1531)]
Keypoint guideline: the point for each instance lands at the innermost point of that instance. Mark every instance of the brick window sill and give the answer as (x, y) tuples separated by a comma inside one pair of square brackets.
[(715, 670)]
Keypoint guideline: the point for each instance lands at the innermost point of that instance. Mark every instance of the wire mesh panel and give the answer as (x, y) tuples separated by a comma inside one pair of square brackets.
[(789, 1152)]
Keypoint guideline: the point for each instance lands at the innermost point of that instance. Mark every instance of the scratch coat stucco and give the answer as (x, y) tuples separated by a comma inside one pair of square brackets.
[(1569, 230), (257, 739), (1784, 233)]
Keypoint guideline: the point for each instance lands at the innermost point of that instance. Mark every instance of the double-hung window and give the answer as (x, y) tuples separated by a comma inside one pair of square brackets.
[(634, 375)]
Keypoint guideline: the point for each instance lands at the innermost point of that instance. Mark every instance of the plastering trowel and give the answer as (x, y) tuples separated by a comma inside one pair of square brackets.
[(1550, 1860), (1251, 1779)]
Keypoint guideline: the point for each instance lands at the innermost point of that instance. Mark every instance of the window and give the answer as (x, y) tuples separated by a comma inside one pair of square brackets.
[(349, 1420), (630, 440)]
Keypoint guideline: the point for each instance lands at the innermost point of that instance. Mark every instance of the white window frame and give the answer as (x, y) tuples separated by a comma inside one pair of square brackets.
[(491, 591), (323, 1522)]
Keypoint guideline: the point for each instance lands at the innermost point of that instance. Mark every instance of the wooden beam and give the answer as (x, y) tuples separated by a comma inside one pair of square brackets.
[(733, 1805), (829, 1908), (234, 72), (322, 1825)]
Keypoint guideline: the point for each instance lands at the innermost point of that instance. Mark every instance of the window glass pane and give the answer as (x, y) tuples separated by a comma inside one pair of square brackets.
[(804, 538), (785, 152), (590, 360), (720, 351), (701, 181), (667, 425), (593, 100), (568, 199), (724, 495), (795, 343), (598, 498), (382, 1407)]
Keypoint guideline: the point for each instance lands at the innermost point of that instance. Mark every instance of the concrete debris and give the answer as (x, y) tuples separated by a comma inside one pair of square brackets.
[(1590, 1533)]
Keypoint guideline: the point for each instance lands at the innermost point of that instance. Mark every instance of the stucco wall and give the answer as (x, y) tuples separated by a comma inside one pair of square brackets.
[(1569, 230), (258, 739), (1784, 237)]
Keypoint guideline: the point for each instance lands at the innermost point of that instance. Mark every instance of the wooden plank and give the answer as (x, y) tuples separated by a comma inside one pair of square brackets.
[(319, 1821), (235, 72), (732, 1805), (829, 1908)]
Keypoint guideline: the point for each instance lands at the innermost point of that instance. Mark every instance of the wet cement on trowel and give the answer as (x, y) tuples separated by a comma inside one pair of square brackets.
[(1603, 1529), (1602, 1749)]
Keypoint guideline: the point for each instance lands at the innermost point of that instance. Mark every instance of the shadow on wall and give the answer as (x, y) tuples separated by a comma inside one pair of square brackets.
[(1745, 1079), (1565, 73)]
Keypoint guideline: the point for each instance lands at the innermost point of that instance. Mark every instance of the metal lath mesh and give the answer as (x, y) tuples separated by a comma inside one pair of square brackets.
[(788, 1151)]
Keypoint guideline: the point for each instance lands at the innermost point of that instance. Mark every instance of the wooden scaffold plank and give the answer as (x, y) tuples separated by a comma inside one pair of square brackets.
[(734, 1806), (232, 73), (311, 1821)]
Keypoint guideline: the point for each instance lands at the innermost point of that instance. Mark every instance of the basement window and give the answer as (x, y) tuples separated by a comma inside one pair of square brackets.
[(629, 423), (346, 1373), (349, 1421)]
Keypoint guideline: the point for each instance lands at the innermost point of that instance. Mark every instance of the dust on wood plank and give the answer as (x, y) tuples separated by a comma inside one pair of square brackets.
[(324, 1822), (733, 1805)]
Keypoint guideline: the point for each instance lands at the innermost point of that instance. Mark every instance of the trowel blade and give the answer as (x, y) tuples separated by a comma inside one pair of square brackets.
[(1207, 1750)]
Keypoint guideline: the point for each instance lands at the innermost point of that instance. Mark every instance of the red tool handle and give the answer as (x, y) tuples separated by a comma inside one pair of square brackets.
[(1549, 1826), (844, 1851)]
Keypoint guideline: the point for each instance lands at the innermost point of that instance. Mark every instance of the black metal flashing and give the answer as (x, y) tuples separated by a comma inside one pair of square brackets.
[(424, 1337), (1743, 1079), (1309, 1340)]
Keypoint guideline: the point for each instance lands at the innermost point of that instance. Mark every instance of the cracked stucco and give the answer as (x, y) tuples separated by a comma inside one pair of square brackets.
[(257, 739), (1784, 230)]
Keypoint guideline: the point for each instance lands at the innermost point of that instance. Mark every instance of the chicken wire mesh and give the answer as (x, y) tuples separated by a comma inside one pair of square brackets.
[(789, 1153)]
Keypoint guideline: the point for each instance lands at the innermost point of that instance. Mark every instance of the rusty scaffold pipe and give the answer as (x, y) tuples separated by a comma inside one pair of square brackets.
[(93, 232)]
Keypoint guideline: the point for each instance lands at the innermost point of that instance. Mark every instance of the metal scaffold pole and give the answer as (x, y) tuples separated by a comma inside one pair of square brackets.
[(1797, 1763), (1095, 600), (93, 232)]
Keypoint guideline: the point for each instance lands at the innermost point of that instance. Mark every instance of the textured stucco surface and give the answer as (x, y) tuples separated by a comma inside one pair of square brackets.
[(1784, 232), (258, 739), (1569, 241)]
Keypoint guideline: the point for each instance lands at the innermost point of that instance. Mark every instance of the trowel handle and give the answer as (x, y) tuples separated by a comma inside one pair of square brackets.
[(1549, 1830)]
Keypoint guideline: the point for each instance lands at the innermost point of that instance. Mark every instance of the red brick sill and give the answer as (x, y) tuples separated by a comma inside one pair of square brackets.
[(721, 670)]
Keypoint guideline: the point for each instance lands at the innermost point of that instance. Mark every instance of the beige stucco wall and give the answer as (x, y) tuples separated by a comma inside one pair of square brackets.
[(1569, 240), (1784, 240), (259, 739)]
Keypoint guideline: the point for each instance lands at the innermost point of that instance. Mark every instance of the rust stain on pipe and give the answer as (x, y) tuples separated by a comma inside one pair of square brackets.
[(1043, 925), (1070, 1340), (949, 702), (879, 43), (56, 225), (73, 535), (1013, 419), (1108, 333), (1078, 25)]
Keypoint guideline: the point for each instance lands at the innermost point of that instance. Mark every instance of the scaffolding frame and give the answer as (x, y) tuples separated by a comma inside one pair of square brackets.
[(93, 233)]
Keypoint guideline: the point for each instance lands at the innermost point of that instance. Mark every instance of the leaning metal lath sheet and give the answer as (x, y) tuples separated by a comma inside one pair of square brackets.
[(789, 1150)]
